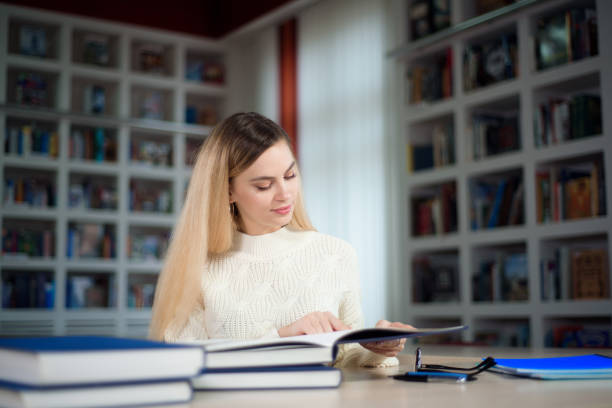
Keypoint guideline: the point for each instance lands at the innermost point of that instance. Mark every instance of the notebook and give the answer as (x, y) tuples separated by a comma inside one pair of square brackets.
[(590, 366)]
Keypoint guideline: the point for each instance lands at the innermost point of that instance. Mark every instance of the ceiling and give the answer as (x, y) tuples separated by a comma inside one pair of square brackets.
[(204, 18)]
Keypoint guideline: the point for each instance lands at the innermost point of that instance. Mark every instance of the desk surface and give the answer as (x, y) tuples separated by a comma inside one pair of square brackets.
[(373, 387)]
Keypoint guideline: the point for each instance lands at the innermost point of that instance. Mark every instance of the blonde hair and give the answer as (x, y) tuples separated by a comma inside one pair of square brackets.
[(206, 225)]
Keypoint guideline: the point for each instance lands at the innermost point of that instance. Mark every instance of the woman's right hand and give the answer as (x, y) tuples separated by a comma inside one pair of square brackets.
[(312, 323)]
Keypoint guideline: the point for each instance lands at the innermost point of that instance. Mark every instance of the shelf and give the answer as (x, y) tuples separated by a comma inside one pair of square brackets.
[(503, 310), (31, 161), (576, 308), (422, 46), (431, 176), (205, 89), (566, 72), (84, 166), (496, 164), (434, 243), (151, 219), (498, 236), (35, 63), (144, 267), (25, 211), (92, 265), (93, 72), (151, 172), (570, 148), (424, 111), (585, 226), (25, 263), (86, 216)]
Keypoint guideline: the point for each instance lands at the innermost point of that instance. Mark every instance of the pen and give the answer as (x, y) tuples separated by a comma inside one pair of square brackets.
[(432, 377)]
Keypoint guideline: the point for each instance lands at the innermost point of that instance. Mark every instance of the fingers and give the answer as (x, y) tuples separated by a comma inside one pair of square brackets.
[(336, 323), (401, 325)]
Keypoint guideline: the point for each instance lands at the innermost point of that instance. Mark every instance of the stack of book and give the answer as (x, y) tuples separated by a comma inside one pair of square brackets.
[(92, 371), (289, 362)]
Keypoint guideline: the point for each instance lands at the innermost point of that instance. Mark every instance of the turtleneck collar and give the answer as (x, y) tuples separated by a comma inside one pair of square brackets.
[(267, 245)]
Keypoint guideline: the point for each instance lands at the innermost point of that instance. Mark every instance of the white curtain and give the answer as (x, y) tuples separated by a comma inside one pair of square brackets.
[(341, 142)]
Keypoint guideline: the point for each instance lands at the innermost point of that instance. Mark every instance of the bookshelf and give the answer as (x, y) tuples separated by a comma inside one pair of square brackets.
[(528, 169), (99, 123)]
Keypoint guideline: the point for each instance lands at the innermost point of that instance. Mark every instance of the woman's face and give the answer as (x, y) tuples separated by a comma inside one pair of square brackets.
[(265, 192)]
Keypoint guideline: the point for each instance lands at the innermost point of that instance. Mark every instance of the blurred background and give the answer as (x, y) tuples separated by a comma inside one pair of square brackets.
[(460, 146)]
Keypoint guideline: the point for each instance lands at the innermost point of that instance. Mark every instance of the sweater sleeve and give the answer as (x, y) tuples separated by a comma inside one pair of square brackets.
[(354, 354)]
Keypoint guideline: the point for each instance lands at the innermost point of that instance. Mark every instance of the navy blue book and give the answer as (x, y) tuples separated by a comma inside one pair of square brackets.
[(72, 360), (267, 378), (150, 393)]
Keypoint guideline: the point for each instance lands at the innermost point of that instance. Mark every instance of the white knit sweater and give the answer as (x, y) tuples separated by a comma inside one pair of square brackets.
[(269, 281)]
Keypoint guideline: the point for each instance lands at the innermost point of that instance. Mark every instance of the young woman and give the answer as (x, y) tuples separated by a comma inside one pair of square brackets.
[(245, 262)]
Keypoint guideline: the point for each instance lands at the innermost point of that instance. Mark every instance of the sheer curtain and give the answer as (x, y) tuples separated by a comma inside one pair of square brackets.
[(340, 127)]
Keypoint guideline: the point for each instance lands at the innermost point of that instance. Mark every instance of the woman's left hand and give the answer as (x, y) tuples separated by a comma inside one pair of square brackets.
[(388, 348)]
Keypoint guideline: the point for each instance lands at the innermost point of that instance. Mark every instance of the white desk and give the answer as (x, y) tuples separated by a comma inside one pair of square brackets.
[(374, 388)]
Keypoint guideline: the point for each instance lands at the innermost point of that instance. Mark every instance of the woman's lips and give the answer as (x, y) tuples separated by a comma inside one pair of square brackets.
[(283, 210)]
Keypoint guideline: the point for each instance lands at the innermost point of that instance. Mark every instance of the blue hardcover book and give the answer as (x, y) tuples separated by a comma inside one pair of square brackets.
[(261, 378), (40, 361), (15, 395), (590, 366)]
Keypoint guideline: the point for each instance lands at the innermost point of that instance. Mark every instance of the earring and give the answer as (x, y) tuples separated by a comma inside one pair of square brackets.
[(232, 209)]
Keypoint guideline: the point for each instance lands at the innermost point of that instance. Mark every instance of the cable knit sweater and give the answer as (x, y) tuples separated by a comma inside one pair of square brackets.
[(269, 281)]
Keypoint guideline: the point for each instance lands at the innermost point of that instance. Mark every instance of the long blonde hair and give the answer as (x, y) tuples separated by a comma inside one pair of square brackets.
[(206, 224)]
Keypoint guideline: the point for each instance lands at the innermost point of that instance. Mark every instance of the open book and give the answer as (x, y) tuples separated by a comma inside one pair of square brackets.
[(299, 350)]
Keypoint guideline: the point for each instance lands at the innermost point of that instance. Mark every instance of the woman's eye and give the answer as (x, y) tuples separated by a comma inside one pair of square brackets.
[(289, 176), (263, 188)]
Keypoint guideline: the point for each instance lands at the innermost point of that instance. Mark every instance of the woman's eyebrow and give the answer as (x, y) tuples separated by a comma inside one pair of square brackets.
[(270, 177)]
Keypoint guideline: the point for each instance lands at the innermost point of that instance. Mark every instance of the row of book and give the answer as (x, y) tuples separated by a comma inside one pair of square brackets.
[(578, 336), (567, 36), (428, 16), (30, 140), (140, 295), (154, 153), (37, 192), (503, 278), (490, 62), (562, 119), (204, 70), (440, 153), (25, 289), (432, 81), (32, 89), (435, 279), (147, 247), (436, 212), (94, 99), (575, 273), (511, 336), (90, 241), (92, 144), (203, 114), (494, 134), (149, 198), (91, 194), (27, 242), (496, 203), (567, 192), (90, 291)]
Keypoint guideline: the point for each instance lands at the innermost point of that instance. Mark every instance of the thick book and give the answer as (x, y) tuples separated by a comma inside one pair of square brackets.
[(591, 366), (15, 395), (94, 360), (266, 378), (299, 350)]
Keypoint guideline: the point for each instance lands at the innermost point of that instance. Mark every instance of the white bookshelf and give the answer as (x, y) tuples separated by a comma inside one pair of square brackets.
[(69, 76), (521, 94)]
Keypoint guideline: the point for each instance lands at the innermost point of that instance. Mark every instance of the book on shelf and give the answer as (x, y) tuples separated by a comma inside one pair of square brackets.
[(428, 16), (501, 278), (90, 291), (435, 279), (19, 395), (33, 192), (579, 336), (147, 247), (23, 242), (299, 350), (570, 191), (32, 89), (150, 198), (94, 99), (262, 378), (33, 40), (590, 274), (496, 203), (567, 118), (141, 294), (567, 36), (436, 213), (152, 105), (432, 80), (490, 62), (151, 58), (30, 140), (96, 49), (92, 144), (90, 241), (25, 289), (151, 152), (494, 134)]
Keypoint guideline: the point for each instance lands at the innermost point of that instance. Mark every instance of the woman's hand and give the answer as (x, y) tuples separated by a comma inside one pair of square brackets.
[(315, 322), (388, 348)]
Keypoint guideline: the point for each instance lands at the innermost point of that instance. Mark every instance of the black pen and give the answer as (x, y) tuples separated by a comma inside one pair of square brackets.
[(432, 377)]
